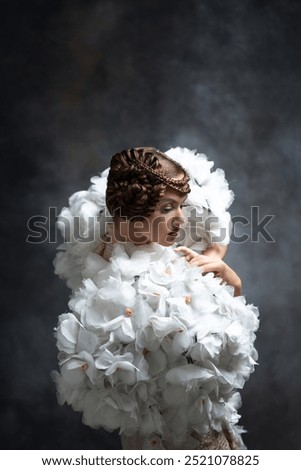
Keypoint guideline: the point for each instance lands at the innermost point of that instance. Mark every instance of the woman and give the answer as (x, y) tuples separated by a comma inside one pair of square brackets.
[(158, 338)]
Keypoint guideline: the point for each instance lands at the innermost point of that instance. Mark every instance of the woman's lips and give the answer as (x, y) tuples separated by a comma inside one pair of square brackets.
[(174, 233)]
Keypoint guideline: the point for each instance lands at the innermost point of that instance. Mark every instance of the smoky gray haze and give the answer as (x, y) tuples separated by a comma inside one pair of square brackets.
[(82, 80)]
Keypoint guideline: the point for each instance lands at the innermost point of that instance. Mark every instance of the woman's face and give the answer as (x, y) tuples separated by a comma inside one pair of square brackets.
[(163, 225)]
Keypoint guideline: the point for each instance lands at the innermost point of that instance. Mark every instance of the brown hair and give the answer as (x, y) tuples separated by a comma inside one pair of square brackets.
[(138, 178)]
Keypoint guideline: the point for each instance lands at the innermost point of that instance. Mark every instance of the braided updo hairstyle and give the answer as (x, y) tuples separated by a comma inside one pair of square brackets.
[(138, 178)]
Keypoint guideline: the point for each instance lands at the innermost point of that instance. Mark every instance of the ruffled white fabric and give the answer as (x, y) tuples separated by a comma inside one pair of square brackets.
[(150, 345)]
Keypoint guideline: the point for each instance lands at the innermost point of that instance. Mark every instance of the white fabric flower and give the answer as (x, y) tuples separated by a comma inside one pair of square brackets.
[(103, 409), (150, 420), (155, 294), (129, 266), (98, 189), (146, 339), (76, 368), (119, 368), (199, 412), (72, 337), (156, 361), (93, 265), (103, 310), (196, 164), (177, 344), (188, 375), (68, 393), (218, 195), (208, 347)]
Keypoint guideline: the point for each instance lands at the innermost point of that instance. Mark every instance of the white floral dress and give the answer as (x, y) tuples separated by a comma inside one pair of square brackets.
[(150, 346)]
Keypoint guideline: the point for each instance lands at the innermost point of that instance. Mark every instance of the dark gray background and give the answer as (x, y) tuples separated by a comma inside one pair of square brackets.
[(84, 79)]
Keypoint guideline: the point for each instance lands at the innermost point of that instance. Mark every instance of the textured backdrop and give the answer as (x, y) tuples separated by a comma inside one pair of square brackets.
[(84, 79)]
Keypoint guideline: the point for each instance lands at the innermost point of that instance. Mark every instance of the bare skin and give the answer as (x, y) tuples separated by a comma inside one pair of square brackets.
[(162, 226), (216, 250)]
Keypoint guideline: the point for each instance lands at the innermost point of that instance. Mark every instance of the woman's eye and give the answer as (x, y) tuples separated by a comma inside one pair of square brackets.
[(167, 209)]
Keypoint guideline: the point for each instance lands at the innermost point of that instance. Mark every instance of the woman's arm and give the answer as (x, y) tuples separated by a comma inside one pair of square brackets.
[(216, 249)]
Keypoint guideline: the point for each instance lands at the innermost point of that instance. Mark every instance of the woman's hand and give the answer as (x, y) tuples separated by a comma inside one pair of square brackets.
[(212, 264)]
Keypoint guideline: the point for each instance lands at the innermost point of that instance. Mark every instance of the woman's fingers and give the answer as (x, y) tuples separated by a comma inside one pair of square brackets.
[(187, 252), (182, 248), (192, 256), (211, 266), (203, 260)]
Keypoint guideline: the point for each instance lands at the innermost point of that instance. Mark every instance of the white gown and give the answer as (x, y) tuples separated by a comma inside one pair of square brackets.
[(150, 346)]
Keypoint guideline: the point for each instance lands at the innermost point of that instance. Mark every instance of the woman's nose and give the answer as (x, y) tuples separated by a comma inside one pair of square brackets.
[(181, 214), (179, 219)]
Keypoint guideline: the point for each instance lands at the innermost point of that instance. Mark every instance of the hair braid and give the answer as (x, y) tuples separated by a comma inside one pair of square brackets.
[(137, 179)]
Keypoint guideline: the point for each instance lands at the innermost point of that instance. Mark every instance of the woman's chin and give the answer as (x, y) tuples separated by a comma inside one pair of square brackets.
[(169, 240)]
